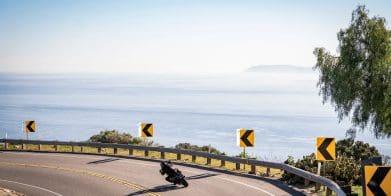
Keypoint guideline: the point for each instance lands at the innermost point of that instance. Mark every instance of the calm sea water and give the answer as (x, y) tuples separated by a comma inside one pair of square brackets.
[(284, 108)]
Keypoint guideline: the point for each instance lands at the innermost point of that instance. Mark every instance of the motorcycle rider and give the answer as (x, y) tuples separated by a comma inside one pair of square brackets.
[(172, 174), (167, 168)]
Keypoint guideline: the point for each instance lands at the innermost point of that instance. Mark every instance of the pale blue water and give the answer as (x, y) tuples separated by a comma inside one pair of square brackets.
[(284, 109)]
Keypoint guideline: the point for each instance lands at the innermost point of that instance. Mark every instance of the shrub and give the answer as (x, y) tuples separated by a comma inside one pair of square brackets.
[(188, 146), (113, 136), (345, 168), (357, 150)]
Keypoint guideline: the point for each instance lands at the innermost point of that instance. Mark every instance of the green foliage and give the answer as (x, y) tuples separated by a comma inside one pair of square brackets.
[(357, 150), (113, 136), (358, 80), (244, 155), (188, 146), (386, 160), (290, 160), (308, 163), (345, 168)]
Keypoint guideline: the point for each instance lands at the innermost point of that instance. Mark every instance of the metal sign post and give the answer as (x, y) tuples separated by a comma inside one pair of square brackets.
[(244, 156)]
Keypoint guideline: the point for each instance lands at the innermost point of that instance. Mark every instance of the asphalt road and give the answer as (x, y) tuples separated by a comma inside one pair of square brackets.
[(74, 174)]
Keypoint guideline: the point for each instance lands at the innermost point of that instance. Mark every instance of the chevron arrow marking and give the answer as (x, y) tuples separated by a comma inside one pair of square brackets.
[(323, 148), (377, 179), (30, 126), (245, 136), (146, 130)]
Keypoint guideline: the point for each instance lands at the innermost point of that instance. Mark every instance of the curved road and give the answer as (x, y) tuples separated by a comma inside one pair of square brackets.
[(74, 174)]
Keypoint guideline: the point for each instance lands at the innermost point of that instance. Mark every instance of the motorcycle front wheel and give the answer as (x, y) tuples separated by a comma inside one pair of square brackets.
[(184, 183)]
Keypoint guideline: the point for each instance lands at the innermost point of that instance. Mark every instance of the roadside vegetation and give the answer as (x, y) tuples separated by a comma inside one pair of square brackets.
[(205, 148), (346, 169), (114, 136)]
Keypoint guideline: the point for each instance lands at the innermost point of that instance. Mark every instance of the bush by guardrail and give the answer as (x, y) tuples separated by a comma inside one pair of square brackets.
[(179, 152)]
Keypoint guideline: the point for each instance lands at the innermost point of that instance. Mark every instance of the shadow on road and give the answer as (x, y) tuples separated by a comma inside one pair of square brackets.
[(157, 189), (200, 176), (102, 161), (287, 188)]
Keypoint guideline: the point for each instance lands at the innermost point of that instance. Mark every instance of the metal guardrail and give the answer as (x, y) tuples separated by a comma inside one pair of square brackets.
[(288, 168)]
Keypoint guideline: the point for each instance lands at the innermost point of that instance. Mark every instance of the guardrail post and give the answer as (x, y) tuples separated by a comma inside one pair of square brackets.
[(56, 148), (130, 152), (162, 155), (115, 150), (178, 156), (317, 187), (328, 191), (23, 147), (193, 158), (268, 172), (6, 145), (208, 161), (222, 163), (146, 153), (73, 148), (39, 147), (81, 148), (237, 166), (253, 171), (99, 150)]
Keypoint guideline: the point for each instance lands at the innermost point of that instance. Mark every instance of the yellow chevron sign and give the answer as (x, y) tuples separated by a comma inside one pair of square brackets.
[(245, 138), (146, 130), (325, 149), (377, 180), (29, 126)]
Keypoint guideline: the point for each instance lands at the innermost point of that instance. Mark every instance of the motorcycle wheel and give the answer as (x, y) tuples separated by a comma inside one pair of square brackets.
[(184, 183), (162, 172)]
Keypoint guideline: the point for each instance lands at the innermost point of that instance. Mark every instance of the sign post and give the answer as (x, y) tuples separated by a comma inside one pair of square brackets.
[(325, 151), (245, 138)]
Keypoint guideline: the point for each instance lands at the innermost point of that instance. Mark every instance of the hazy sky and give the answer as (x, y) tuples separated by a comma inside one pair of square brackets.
[(168, 36)]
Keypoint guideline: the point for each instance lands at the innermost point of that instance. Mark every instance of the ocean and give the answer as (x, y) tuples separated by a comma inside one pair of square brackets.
[(284, 109)]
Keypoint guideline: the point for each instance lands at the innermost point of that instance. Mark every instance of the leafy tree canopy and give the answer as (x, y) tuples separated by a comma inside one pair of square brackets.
[(357, 81)]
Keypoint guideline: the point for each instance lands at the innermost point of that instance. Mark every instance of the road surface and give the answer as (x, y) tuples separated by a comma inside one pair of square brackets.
[(75, 174)]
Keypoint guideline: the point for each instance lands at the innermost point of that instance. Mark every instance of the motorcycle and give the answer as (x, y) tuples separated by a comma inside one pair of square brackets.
[(173, 175)]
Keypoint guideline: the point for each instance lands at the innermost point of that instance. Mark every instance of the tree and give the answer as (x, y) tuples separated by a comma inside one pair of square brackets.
[(357, 81)]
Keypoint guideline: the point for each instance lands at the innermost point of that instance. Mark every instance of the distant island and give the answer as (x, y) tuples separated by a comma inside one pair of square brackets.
[(278, 68)]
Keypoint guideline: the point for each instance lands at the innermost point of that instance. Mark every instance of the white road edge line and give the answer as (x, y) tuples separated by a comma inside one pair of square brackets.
[(234, 181), (136, 162), (29, 185), (244, 184)]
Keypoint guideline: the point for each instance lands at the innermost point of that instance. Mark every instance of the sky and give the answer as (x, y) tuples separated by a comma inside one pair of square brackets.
[(68, 36)]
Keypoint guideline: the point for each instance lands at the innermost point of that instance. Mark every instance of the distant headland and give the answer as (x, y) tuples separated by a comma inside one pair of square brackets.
[(278, 68)]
